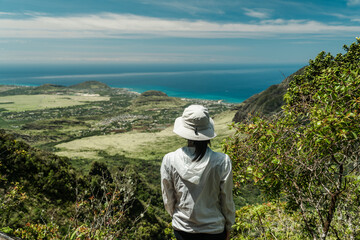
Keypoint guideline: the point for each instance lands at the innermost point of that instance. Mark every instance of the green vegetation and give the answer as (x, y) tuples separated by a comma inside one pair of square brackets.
[(108, 188), (17, 103), (44, 197), (101, 179), (308, 156), (152, 93), (267, 102), (91, 85), (267, 221), (49, 115), (138, 144)]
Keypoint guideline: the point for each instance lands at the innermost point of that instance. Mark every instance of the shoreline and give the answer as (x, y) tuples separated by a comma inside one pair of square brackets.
[(137, 92), (230, 83)]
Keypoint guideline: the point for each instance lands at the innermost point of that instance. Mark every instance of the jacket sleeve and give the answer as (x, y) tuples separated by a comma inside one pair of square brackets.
[(227, 202), (167, 186)]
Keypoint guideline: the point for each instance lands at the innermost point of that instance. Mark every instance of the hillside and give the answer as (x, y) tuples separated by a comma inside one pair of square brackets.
[(49, 87), (88, 87), (89, 132), (97, 175), (99, 134), (266, 102), (41, 194), (92, 137), (158, 99), (94, 85), (308, 156)]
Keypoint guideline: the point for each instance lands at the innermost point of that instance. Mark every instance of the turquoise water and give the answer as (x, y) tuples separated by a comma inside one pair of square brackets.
[(231, 83)]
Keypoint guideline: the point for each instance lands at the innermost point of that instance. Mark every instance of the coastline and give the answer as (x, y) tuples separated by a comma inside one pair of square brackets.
[(132, 91), (138, 91), (229, 83)]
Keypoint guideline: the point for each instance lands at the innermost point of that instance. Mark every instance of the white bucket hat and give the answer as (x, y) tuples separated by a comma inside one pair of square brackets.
[(195, 124)]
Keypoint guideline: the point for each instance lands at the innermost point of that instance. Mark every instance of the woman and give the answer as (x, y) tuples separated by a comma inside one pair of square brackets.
[(196, 182)]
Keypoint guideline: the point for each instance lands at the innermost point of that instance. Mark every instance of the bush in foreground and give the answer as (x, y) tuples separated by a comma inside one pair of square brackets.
[(309, 154)]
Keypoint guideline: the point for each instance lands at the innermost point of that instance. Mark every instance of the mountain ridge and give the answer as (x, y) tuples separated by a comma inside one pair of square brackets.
[(266, 102), (94, 85)]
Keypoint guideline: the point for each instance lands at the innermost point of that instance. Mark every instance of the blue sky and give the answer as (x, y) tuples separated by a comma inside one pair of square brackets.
[(174, 31)]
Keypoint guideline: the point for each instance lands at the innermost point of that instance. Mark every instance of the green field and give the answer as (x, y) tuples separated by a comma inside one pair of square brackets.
[(102, 124), (139, 145), (112, 128), (19, 103)]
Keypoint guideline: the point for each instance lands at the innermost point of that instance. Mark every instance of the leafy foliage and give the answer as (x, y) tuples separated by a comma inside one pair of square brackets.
[(266, 221), (21, 163), (309, 154), (43, 197), (267, 102), (38, 231)]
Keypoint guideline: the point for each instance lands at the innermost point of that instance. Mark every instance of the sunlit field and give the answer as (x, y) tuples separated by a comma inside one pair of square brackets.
[(34, 102), (140, 145)]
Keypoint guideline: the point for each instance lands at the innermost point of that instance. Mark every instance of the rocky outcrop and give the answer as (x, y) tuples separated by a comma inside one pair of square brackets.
[(266, 102)]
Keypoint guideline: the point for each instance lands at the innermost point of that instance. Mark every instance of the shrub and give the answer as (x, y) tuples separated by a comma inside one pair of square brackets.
[(266, 221), (309, 154)]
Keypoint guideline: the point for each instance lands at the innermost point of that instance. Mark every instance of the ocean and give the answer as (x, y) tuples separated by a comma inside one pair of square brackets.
[(230, 83)]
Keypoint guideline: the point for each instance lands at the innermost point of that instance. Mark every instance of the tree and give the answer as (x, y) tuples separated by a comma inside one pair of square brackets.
[(309, 155), (100, 169)]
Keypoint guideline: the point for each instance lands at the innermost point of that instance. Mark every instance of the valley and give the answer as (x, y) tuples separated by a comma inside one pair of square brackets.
[(91, 121)]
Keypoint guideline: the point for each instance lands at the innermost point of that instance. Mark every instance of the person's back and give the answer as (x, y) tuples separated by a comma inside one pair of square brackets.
[(197, 182)]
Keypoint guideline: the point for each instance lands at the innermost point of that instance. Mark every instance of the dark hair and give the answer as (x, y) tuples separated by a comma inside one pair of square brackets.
[(200, 149)]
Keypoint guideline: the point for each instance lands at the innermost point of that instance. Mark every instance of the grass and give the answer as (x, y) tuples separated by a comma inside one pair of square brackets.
[(19, 103), (132, 144), (139, 145), (91, 132)]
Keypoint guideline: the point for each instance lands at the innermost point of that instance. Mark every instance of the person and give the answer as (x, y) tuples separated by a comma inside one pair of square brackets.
[(196, 182)]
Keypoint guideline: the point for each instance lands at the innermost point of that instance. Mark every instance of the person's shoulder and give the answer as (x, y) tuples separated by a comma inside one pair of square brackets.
[(172, 154), (222, 162), (218, 155)]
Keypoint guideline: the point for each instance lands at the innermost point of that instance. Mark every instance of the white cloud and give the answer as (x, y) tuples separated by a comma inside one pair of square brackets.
[(256, 13), (349, 17), (353, 2), (56, 55), (186, 7), (108, 25), (7, 14)]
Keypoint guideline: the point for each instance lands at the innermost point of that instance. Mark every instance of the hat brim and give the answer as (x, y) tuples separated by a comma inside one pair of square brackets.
[(187, 133)]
